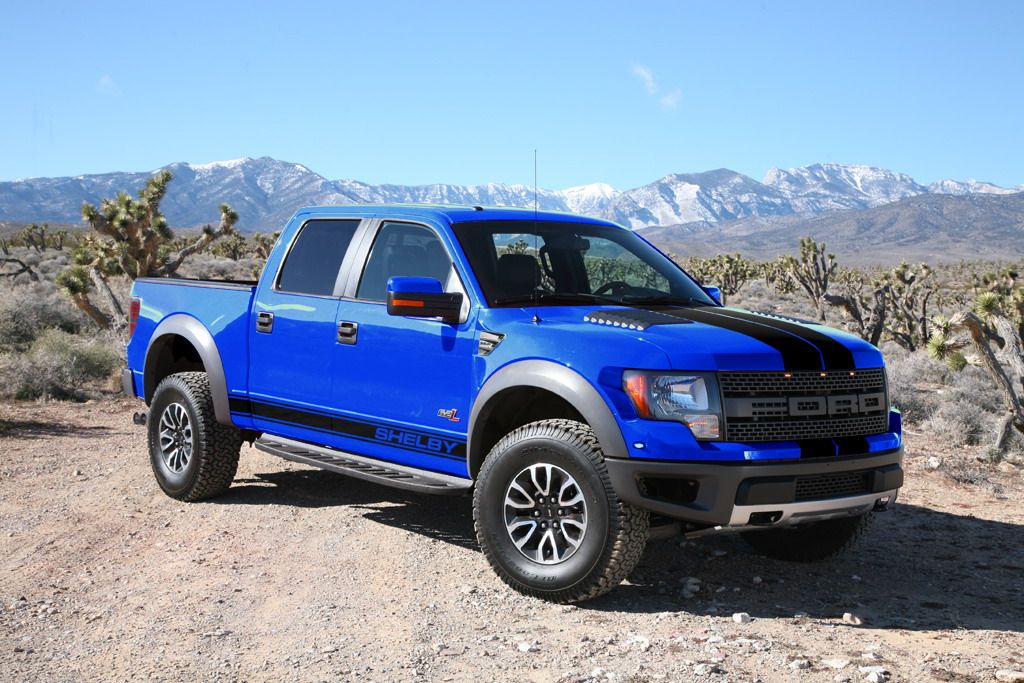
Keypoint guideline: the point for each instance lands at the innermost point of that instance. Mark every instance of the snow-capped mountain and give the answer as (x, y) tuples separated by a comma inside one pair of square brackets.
[(971, 186), (687, 197), (266, 192), (590, 199), (834, 187)]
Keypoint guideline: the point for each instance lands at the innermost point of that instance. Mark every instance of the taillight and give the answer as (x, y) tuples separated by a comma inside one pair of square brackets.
[(133, 315)]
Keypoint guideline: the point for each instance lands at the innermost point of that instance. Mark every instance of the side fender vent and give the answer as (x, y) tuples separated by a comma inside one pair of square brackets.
[(488, 342)]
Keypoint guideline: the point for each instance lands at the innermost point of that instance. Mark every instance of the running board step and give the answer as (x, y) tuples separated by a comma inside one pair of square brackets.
[(378, 471)]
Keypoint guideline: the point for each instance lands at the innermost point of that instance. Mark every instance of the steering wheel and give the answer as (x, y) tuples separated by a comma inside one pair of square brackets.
[(615, 288)]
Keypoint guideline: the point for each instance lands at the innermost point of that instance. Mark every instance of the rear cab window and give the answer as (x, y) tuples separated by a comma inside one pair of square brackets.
[(313, 263)]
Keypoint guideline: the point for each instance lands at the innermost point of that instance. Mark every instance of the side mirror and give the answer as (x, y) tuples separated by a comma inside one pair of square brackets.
[(422, 297), (715, 293)]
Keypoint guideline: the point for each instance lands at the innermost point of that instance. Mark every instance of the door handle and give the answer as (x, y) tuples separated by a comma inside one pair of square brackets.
[(347, 332), (264, 322)]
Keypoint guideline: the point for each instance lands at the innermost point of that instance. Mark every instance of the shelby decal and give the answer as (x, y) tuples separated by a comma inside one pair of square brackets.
[(408, 439), (451, 414)]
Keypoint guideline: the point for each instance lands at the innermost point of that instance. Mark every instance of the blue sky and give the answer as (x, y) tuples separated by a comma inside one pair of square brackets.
[(460, 92)]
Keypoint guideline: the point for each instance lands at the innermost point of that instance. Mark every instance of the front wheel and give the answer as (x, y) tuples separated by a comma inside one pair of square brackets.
[(810, 542), (193, 456), (547, 518)]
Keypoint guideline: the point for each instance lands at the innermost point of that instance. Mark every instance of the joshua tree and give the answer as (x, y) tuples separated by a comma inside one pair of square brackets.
[(729, 272), (994, 338), (810, 272), (864, 302), (262, 245), (34, 237), (910, 290), (132, 239), (234, 247)]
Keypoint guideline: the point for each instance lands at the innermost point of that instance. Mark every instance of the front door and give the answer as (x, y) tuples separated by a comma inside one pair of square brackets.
[(406, 382), (293, 343)]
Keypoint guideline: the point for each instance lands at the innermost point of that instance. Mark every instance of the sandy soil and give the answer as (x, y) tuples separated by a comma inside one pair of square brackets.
[(298, 574)]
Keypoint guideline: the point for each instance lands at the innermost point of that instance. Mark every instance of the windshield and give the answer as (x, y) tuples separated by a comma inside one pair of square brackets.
[(554, 263)]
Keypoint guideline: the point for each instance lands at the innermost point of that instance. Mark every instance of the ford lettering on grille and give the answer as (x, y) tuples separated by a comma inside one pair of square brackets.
[(777, 406)]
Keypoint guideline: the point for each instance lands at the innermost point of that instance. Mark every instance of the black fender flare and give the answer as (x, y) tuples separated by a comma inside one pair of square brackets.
[(559, 380), (190, 329)]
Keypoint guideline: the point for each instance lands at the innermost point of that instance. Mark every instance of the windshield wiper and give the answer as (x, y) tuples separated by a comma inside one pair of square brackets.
[(665, 299), (557, 297)]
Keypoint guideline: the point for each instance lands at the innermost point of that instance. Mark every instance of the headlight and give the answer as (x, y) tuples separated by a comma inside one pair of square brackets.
[(690, 398)]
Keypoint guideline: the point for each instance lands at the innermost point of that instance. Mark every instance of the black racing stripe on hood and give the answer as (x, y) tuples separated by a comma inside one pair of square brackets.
[(797, 353), (835, 354)]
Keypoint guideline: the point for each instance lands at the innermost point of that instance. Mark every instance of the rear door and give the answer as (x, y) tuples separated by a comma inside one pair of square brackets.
[(292, 349)]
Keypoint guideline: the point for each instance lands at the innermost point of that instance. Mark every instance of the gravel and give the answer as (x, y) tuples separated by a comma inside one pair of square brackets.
[(297, 574)]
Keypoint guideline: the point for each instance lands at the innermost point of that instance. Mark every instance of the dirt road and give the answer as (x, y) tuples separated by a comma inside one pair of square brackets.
[(298, 574)]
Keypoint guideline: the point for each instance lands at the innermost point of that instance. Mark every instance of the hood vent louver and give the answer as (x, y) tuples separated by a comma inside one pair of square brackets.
[(632, 319)]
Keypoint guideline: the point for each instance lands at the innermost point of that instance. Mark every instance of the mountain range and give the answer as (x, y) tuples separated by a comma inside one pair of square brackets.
[(266, 192)]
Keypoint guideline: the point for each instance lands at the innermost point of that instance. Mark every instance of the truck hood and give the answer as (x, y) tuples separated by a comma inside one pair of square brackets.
[(702, 338)]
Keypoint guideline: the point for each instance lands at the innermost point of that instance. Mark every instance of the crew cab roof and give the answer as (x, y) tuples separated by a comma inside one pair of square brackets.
[(449, 213)]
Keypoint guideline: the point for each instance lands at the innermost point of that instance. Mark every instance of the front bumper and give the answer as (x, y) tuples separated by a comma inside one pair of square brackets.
[(758, 493)]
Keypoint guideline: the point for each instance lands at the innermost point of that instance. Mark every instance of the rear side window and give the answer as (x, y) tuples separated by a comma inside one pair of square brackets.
[(312, 265)]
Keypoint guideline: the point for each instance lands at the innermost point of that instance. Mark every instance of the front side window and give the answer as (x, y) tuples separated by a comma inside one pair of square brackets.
[(403, 250), (312, 264), (556, 263)]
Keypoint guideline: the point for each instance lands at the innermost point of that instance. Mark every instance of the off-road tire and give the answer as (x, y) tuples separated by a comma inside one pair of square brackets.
[(811, 542), (616, 532), (215, 447)]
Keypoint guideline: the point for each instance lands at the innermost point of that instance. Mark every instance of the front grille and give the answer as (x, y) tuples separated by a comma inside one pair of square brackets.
[(786, 383), (798, 430), (797, 406), (833, 485)]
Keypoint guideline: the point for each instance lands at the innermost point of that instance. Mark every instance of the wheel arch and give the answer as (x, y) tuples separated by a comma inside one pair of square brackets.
[(181, 343), (553, 381)]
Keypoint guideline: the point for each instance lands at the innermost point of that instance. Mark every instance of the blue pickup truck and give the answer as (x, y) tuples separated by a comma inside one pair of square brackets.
[(585, 390)]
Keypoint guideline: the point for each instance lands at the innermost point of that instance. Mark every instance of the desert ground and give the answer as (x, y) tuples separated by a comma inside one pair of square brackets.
[(298, 574)]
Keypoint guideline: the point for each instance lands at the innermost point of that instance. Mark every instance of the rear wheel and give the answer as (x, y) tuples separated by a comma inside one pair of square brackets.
[(810, 542), (193, 456), (547, 518)]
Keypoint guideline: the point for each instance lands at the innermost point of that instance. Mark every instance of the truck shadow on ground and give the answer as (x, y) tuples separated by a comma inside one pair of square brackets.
[(920, 569)]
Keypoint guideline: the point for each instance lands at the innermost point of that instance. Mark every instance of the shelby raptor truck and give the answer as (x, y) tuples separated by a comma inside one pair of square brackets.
[(560, 369)]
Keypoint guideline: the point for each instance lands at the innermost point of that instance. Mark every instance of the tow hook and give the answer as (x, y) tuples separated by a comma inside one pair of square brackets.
[(882, 504), (139, 418)]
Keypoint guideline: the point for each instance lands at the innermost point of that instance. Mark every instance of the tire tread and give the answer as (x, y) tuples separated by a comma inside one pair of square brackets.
[(629, 524), (218, 445)]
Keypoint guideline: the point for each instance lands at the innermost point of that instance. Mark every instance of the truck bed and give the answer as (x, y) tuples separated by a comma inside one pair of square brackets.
[(222, 307)]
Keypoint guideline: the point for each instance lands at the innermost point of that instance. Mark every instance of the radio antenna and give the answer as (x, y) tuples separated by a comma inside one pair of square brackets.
[(536, 236)]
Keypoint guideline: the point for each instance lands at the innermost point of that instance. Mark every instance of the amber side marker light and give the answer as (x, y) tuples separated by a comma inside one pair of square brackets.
[(636, 387), (412, 303)]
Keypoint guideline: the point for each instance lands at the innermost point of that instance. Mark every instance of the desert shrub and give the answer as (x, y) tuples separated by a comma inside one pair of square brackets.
[(959, 422), (26, 311), (57, 365), (917, 383), (971, 472)]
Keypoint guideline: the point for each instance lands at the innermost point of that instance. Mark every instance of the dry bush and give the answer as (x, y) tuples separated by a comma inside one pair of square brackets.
[(971, 472), (28, 310), (958, 422), (915, 382), (207, 266), (57, 365)]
